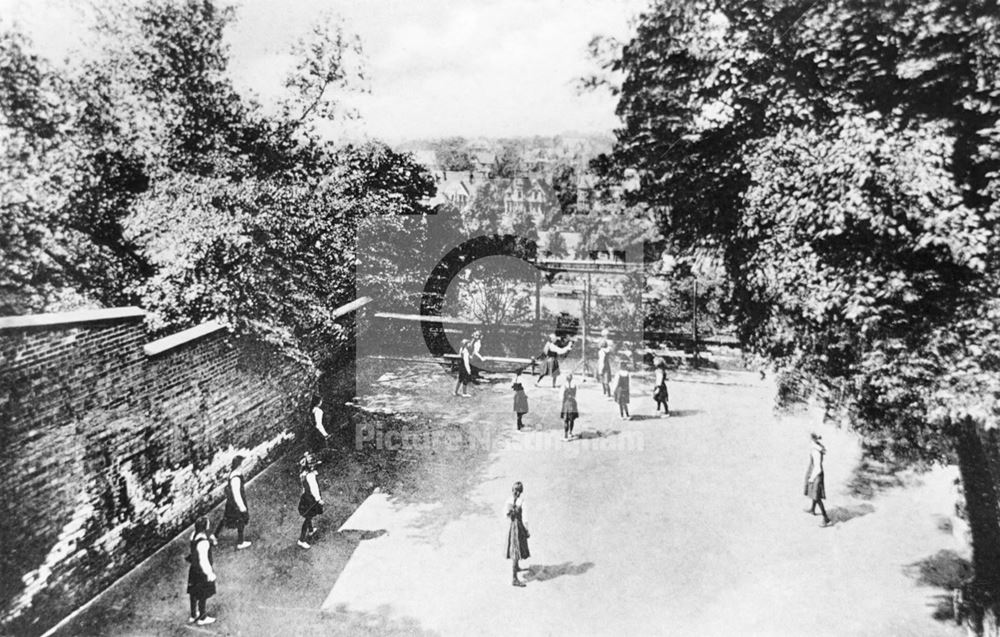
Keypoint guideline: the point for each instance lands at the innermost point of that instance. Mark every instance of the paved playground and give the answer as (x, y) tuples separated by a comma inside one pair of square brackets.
[(689, 525)]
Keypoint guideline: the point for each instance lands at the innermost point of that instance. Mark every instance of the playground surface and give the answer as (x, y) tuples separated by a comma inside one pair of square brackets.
[(688, 525)]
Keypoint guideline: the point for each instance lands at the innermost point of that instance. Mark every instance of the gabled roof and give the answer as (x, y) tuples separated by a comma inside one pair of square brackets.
[(484, 158), (453, 188)]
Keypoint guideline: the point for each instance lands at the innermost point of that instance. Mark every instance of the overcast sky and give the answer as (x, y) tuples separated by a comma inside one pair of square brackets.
[(436, 67)]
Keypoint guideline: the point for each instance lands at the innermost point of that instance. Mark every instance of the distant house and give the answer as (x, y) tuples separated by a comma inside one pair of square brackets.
[(528, 195), (483, 161), (538, 160), (586, 192), (455, 187)]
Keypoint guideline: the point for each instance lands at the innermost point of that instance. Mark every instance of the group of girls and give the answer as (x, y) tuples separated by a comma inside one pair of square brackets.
[(617, 388), (236, 515)]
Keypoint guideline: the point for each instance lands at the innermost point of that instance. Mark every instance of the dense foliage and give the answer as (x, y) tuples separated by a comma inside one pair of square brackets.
[(142, 176), (843, 159)]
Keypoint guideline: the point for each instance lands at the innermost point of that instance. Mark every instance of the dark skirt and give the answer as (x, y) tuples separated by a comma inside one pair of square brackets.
[(569, 409), (816, 490), (621, 395), (660, 393), (308, 506), (463, 376), (517, 541), (232, 516), (551, 365), (520, 402), (198, 584), (317, 442), (604, 374)]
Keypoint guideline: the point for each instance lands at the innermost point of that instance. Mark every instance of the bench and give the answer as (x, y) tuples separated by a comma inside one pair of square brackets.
[(517, 363)]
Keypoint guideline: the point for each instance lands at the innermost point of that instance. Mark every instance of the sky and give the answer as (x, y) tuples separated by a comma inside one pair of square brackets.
[(436, 68)]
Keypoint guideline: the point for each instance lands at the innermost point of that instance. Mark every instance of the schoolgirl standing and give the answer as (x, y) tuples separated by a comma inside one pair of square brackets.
[(570, 411), (310, 502), (517, 533), (622, 391), (236, 514), (660, 394), (520, 400), (464, 368), (476, 359), (604, 363), (201, 574)]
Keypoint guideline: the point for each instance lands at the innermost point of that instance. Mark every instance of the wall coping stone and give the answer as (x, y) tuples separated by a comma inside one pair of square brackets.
[(167, 343), (69, 319)]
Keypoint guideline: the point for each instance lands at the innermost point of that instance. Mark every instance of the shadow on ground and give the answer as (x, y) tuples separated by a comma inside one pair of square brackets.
[(684, 413), (945, 570), (546, 572), (848, 513), (873, 476), (600, 433)]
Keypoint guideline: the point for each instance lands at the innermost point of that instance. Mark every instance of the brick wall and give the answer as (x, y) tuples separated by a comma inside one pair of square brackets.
[(110, 445)]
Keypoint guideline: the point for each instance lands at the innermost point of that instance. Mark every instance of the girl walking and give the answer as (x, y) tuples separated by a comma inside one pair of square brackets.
[(201, 574), (569, 412), (517, 535), (236, 514), (317, 432), (310, 502), (660, 394), (622, 391), (815, 487), (520, 400)]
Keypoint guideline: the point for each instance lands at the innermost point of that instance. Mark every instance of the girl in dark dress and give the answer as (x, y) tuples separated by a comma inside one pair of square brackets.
[(310, 502), (517, 535), (569, 412), (520, 400), (318, 435), (201, 574), (464, 368), (236, 514), (622, 391), (660, 393)]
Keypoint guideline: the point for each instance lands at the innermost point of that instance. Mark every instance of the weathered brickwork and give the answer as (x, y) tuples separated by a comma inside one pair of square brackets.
[(107, 451)]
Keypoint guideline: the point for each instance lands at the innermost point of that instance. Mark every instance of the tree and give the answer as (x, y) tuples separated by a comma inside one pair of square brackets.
[(557, 244), (143, 176), (62, 195), (453, 153), (494, 292), (507, 164), (564, 183), (623, 310), (843, 159)]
